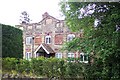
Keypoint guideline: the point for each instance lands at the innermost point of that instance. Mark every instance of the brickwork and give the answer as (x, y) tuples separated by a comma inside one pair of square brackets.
[(58, 39), (56, 29)]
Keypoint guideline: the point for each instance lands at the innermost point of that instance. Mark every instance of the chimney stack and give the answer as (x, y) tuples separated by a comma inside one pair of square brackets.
[(45, 15)]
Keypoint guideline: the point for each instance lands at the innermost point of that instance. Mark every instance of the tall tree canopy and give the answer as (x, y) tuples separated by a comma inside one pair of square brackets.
[(12, 45), (101, 38)]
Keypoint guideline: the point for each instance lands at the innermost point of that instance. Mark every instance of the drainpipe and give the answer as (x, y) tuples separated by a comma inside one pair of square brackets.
[(33, 47)]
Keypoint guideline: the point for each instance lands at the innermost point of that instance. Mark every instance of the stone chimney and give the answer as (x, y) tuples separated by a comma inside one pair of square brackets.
[(45, 15)]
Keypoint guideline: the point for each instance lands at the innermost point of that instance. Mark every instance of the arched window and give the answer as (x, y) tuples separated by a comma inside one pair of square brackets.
[(70, 37), (48, 39), (84, 57)]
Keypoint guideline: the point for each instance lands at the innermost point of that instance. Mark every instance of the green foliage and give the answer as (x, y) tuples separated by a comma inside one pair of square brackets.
[(37, 65), (75, 68), (12, 45), (101, 42), (23, 66), (43, 67), (9, 64)]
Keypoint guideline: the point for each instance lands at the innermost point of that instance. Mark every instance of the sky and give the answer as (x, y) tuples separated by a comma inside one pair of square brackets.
[(11, 10)]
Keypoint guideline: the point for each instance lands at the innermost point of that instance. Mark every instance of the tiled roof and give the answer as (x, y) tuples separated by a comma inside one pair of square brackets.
[(49, 16), (38, 23), (46, 47)]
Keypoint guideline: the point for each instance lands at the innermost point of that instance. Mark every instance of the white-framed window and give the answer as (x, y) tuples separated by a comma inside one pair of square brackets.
[(29, 27), (84, 57), (48, 39), (70, 37), (58, 55), (57, 25), (70, 55), (28, 55), (96, 22), (38, 27), (61, 24), (28, 40)]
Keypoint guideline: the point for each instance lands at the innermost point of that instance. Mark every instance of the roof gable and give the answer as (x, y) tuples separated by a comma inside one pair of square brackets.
[(46, 47), (47, 16)]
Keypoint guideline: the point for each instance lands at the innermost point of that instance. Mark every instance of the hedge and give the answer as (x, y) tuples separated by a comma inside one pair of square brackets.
[(54, 68)]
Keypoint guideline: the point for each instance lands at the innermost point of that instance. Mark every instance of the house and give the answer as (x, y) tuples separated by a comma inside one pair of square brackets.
[(46, 38)]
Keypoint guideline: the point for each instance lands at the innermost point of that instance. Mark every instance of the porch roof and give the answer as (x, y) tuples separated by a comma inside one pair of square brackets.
[(46, 47)]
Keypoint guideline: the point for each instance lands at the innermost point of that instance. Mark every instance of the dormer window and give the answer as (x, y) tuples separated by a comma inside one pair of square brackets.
[(70, 37), (48, 39)]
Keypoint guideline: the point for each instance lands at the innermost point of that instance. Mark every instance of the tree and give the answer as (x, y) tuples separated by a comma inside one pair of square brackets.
[(102, 40), (24, 18), (12, 45)]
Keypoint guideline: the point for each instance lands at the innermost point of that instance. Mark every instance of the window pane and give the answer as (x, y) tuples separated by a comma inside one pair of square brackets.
[(29, 27), (28, 40), (85, 57), (58, 55), (28, 55), (38, 27), (70, 37), (81, 57), (48, 39), (71, 55)]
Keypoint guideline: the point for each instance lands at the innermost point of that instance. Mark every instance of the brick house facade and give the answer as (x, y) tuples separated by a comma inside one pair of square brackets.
[(46, 38)]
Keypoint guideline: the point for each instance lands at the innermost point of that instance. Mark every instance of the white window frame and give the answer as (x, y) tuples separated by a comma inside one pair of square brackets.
[(28, 40), (58, 55), (70, 55), (48, 39), (57, 24), (70, 37), (83, 59), (30, 27), (96, 22), (28, 55), (38, 27)]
